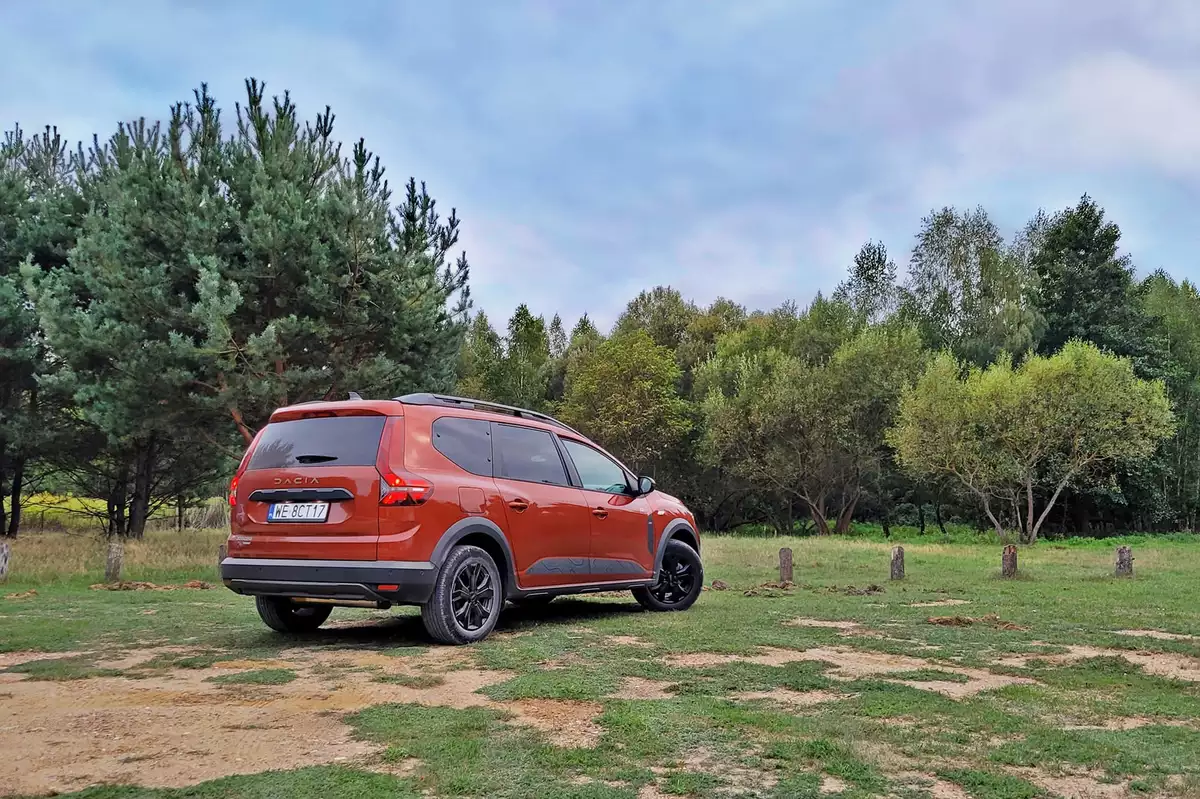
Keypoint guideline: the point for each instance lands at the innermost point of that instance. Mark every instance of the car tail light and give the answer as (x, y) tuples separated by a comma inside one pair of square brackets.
[(403, 489), (233, 490)]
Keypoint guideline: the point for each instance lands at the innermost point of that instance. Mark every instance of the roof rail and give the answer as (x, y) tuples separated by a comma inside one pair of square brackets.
[(482, 405)]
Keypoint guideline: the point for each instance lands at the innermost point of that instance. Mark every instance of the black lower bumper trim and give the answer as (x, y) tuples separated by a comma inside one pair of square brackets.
[(324, 579)]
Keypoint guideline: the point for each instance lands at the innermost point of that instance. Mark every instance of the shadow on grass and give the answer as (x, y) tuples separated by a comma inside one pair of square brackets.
[(405, 629)]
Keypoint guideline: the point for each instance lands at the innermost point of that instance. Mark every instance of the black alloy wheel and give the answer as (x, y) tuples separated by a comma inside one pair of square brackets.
[(680, 579), (474, 596)]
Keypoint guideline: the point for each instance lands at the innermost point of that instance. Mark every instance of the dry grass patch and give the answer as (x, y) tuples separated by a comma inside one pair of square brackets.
[(790, 698), (1159, 634), (638, 688)]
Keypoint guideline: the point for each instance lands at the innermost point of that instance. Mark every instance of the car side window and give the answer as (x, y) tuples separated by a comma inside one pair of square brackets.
[(467, 442), (523, 453), (597, 471)]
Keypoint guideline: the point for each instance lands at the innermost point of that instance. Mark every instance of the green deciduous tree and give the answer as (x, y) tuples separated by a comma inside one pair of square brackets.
[(1014, 436), (623, 394), (809, 427)]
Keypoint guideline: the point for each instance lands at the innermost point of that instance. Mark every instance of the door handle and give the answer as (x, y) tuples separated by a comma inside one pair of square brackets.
[(600, 513), (519, 505)]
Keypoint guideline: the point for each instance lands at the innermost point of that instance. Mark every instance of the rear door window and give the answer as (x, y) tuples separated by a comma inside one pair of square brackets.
[(467, 442), (523, 453), (323, 441)]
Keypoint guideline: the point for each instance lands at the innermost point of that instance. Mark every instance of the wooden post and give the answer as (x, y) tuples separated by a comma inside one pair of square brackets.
[(1124, 562), (1008, 563), (897, 563), (785, 565), (115, 559), (5, 558)]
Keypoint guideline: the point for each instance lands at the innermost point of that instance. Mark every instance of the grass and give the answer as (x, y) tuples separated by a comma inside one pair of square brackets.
[(256, 677), (878, 738)]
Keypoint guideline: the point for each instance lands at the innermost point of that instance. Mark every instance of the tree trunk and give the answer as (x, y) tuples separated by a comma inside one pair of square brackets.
[(179, 513), (921, 516), (897, 563), (785, 565), (1124, 562), (139, 505), (115, 560), (1029, 511), (1008, 562), (999, 528), (846, 516), (5, 558), (116, 523), (14, 516), (937, 517), (818, 518), (887, 525)]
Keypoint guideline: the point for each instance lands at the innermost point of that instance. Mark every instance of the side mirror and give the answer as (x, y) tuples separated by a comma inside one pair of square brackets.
[(645, 485)]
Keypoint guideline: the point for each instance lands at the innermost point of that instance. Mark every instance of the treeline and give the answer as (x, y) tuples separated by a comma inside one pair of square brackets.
[(1029, 385), (166, 287)]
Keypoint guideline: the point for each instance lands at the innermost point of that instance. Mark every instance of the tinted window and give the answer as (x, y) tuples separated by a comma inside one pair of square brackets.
[(596, 470), (523, 453), (467, 442), (325, 441)]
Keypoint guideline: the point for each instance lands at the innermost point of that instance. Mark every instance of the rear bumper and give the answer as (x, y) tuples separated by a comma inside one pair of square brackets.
[(331, 579)]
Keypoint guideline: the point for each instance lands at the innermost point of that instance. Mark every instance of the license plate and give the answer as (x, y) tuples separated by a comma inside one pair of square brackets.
[(298, 512)]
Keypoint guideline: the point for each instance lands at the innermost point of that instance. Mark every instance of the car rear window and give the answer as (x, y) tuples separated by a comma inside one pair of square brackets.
[(467, 442), (325, 441)]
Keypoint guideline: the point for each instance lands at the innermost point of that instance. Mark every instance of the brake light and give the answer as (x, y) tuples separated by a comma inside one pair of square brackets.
[(233, 490), (403, 489)]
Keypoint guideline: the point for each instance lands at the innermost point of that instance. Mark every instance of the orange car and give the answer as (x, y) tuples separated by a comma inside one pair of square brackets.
[(452, 504)]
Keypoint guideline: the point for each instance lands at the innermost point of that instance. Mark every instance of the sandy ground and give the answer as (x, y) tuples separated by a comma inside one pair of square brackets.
[(174, 728)]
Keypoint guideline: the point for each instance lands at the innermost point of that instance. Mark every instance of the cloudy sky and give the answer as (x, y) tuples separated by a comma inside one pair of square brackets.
[(744, 148)]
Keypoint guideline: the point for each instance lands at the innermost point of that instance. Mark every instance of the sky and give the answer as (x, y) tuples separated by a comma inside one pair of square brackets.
[(745, 149)]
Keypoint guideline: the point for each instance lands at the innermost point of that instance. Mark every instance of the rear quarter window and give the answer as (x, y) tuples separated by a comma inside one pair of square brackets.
[(324, 441), (466, 442)]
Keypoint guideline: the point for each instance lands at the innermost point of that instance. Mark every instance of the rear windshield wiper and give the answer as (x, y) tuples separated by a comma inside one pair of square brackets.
[(315, 458)]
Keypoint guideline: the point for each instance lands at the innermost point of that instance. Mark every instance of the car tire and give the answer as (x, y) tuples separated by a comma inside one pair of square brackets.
[(680, 580), (285, 616), (466, 599)]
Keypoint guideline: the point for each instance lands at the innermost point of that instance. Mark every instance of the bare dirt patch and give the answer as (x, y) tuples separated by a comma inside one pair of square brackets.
[(637, 688), (9, 659), (1125, 723), (851, 664), (941, 603), (1159, 664), (1159, 634), (627, 640), (792, 699), (833, 785), (842, 626), (569, 723), (180, 728), (1074, 786)]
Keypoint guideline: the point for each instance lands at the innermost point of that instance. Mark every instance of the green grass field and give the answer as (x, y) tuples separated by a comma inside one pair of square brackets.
[(1063, 682)]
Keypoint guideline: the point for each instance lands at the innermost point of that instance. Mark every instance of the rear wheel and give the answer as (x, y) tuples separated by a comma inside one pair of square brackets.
[(466, 598), (680, 579), (283, 615)]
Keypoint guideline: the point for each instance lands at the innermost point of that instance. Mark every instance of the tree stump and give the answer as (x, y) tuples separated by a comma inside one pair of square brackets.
[(1008, 562), (1124, 562), (785, 565), (116, 558), (897, 563), (5, 559)]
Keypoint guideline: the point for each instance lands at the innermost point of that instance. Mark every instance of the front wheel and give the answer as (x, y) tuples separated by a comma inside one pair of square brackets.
[(466, 598), (680, 579), (285, 616)]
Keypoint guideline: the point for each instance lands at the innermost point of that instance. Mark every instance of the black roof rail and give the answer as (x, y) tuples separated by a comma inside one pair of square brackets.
[(482, 405)]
